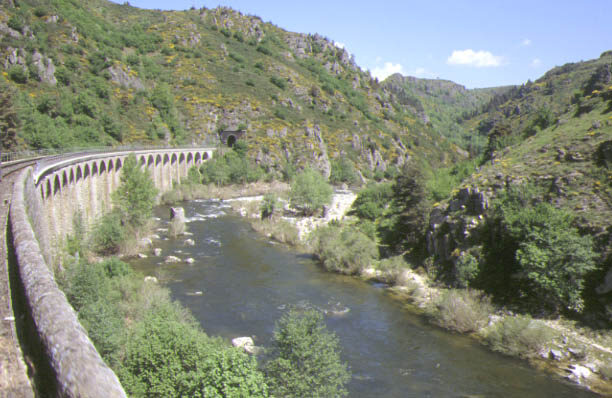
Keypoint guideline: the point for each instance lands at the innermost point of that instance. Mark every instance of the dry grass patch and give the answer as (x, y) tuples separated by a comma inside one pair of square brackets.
[(278, 229), (462, 310), (519, 336)]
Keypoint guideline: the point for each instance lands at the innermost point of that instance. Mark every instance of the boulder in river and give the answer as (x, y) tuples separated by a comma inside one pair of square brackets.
[(247, 344), (177, 222)]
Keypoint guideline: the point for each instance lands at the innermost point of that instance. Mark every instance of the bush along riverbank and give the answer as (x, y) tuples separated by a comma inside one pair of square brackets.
[(352, 245)]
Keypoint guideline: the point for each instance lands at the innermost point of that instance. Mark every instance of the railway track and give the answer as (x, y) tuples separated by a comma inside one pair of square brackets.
[(14, 373)]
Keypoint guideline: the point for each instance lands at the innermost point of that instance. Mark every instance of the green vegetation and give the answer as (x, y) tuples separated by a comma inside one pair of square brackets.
[(519, 336), (232, 167), (343, 171), (406, 220), (168, 355), (343, 249), (535, 248), (462, 310), (123, 75), (310, 192), (135, 196), (372, 201), (306, 360), (153, 344), (109, 234), (268, 205)]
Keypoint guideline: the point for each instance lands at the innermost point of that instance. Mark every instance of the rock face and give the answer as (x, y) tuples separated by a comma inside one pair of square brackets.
[(46, 69), (125, 78), (321, 159), (451, 226)]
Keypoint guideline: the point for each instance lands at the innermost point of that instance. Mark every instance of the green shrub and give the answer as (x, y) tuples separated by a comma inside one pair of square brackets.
[(40, 11), (306, 359), (113, 268), (86, 284), (343, 171), (462, 310), (344, 250), (278, 82), (103, 321), (519, 336), (372, 201), (17, 74), (16, 22), (194, 176), (268, 205), (167, 355), (108, 234), (236, 58), (466, 270), (310, 192), (264, 50), (239, 36)]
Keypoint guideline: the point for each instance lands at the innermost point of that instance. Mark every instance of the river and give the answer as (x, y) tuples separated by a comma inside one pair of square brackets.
[(241, 283)]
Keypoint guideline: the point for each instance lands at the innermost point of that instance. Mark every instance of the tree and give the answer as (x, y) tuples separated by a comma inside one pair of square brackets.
[(310, 192), (9, 121), (407, 219), (136, 195), (554, 258), (306, 360), (533, 251)]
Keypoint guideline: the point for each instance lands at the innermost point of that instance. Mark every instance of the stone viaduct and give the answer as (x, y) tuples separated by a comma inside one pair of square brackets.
[(44, 202)]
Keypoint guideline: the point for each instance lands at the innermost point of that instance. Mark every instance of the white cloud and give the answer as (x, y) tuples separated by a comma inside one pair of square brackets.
[(387, 70), (422, 72), (526, 42), (339, 45), (479, 59), (536, 62)]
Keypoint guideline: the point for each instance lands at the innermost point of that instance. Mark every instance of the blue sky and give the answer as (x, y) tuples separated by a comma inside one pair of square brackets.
[(475, 43)]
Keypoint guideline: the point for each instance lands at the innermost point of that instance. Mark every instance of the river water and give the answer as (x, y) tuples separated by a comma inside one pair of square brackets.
[(241, 283)]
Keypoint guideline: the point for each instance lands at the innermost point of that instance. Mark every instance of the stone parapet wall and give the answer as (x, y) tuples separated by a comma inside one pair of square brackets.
[(79, 369)]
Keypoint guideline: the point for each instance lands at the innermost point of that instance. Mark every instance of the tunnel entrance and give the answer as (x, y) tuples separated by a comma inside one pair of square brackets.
[(229, 137), (231, 140)]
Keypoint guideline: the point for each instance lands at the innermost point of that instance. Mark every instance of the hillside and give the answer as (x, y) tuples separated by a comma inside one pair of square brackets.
[(97, 73), (553, 135), (445, 105)]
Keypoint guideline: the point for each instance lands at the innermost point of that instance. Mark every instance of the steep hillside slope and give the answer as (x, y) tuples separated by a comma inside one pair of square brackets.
[(90, 73), (554, 135)]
